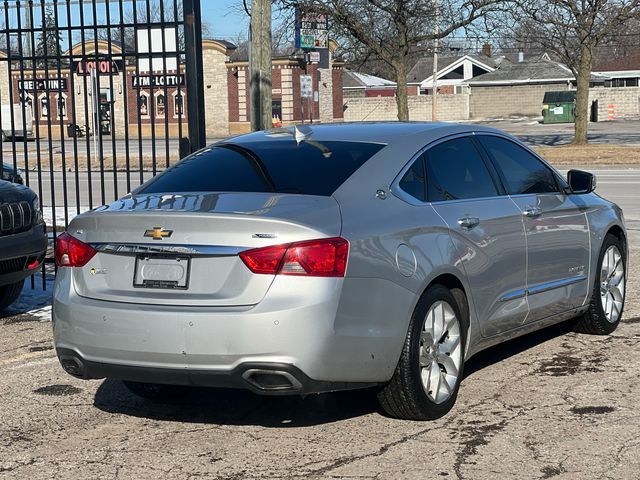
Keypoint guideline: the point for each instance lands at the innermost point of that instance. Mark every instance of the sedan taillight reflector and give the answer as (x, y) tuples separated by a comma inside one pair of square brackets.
[(326, 257), (71, 252)]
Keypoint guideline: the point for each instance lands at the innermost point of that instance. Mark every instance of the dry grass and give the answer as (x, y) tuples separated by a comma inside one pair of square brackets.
[(593, 154)]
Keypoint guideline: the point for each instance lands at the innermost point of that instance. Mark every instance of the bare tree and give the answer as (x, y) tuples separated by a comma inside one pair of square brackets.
[(390, 30), (571, 30), (619, 43)]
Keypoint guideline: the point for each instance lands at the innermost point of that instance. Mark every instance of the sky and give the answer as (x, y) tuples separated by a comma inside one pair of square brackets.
[(224, 19)]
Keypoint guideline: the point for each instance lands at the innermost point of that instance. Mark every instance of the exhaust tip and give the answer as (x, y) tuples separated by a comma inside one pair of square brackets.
[(73, 366), (271, 380)]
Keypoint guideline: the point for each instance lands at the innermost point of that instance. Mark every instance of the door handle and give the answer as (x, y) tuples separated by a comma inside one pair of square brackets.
[(468, 222), (532, 212)]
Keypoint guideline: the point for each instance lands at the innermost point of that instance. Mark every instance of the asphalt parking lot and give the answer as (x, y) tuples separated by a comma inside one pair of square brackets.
[(554, 404), (550, 405)]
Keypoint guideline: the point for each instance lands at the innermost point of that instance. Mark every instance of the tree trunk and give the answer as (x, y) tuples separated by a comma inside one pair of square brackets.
[(401, 90), (582, 96)]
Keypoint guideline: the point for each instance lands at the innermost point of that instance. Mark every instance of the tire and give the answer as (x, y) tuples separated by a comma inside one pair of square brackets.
[(157, 392), (406, 395), (9, 294), (608, 296)]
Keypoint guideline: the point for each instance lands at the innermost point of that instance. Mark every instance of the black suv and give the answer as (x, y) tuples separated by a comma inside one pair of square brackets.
[(11, 174), (23, 239)]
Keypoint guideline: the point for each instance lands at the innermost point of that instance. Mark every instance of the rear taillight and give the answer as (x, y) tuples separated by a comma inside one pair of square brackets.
[(326, 257), (71, 252)]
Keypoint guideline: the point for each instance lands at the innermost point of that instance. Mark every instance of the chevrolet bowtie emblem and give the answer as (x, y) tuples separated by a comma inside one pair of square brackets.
[(158, 233)]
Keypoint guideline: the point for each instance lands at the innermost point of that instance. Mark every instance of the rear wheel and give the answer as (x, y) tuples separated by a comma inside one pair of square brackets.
[(427, 378), (157, 392), (607, 298), (9, 294)]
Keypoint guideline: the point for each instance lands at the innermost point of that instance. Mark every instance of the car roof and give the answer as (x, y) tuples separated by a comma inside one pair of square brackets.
[(378, 132)]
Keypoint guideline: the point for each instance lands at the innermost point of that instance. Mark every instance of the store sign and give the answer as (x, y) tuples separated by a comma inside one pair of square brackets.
[(312, 30), (158, 80), (102, 66), (51, 84)]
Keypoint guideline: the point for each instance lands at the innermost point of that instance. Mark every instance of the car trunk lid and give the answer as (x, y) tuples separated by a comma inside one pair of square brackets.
[(183, 249)]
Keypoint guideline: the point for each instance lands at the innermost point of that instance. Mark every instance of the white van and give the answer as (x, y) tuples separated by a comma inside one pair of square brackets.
[(18, 125)]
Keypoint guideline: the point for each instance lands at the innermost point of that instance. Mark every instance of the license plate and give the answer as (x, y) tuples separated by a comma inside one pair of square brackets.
[(162, 272)]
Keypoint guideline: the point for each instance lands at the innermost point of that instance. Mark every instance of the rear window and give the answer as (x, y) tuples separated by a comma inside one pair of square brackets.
[(279, 165)]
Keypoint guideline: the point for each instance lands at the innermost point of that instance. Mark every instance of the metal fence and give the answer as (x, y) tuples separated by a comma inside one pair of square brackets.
[(97, 96)]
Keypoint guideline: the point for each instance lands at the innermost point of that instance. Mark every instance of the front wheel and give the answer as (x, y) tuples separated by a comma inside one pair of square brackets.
[(427, 378), (607, 298), (9, 294)]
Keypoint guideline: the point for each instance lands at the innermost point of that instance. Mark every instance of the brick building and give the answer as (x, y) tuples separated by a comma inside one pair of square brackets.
[(147, 97), (288, 106)]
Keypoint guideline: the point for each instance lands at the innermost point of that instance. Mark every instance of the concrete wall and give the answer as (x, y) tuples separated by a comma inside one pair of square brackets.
[(625, 101), (450, 107), (505, 101)]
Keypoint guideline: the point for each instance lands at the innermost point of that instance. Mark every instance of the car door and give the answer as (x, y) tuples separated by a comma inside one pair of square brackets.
[(486, 229), (556, 226)]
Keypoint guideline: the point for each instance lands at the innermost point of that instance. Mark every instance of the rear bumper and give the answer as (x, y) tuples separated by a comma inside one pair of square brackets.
[(262, 378), (301, 334), (30, 245)]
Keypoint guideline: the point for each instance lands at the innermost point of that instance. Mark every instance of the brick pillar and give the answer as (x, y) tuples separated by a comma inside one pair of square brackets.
[(325, 91), (286, 85)]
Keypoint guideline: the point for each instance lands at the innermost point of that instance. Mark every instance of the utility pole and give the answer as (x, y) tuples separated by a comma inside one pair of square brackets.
[(260, 65), (29, 51), (434, 82)]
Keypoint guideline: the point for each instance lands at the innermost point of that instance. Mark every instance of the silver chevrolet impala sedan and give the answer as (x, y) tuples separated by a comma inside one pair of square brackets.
[(327, 257)]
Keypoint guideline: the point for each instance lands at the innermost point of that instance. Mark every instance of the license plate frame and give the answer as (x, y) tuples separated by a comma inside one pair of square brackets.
[(159, 261)]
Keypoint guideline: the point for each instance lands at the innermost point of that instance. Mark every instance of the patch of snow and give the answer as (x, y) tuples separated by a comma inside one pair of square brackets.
[(35, 301), (47, 213)]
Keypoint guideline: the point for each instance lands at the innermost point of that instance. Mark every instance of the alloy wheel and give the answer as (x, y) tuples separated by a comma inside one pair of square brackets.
[(440, 352), (612, 284)]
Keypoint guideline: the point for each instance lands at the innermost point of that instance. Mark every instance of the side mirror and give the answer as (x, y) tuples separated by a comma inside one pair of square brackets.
[(581, 182)]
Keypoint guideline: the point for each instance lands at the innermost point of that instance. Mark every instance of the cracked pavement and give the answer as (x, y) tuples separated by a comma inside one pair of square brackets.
[(553, 404)]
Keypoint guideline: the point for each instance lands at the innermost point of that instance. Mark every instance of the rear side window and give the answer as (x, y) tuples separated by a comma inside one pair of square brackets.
[(279, 165), (522, 172), (413, 182), (455, 170)]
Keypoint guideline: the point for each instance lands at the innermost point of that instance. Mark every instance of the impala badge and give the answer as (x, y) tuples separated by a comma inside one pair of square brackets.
[(264, 235), (158, 233)]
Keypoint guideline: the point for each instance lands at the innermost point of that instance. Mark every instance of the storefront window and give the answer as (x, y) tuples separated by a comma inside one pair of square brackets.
[(143, 105), (62, 107), (178, 106), (44, 107), (160, 105)]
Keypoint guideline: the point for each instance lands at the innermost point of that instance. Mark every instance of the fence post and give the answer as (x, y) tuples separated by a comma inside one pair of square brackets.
[(194, 74)]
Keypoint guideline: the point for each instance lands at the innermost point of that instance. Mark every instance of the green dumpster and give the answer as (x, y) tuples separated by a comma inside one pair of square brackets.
[(559, 107)]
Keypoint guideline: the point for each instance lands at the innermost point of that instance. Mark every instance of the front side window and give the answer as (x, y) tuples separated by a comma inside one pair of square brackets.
[(413, 181), (522, 172), (455, 170)]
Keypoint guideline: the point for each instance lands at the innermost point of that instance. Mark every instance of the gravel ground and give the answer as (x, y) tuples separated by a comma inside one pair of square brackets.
[(554, 404)]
